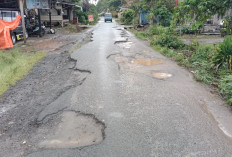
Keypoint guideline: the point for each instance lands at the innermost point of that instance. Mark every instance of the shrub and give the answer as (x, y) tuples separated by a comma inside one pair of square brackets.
[(196, 27), (128, 16), (201, 61), (153, 30), (156, 30), (163, 15), (227, 26), (224, 54), (169, 41), (185, 29), (225, 86), (142, 35)]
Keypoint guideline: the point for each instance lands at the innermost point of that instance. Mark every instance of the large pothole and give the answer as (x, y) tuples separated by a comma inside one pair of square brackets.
[(74, 130)]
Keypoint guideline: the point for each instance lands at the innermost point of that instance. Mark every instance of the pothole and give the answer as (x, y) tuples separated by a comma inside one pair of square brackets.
[(120, 41), (147, 61), (161, 75), (73, 131), (124, 44)]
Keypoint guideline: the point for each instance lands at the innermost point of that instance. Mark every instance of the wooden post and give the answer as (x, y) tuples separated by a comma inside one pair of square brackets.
[(39, 22), (21, 6)]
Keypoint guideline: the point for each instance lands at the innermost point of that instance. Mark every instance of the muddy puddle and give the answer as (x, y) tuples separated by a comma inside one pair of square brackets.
[(147, 61), (161, 75), (74, 130)]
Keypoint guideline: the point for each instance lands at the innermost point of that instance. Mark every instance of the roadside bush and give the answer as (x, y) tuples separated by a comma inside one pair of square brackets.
[(185, 29), (196, 27), (141, 35), (225, 87), (156, 30), (153, 30), (224, 54), (202, 62), (227, 26), (169, 41), (83, 15), (163, 15), (128, 16)]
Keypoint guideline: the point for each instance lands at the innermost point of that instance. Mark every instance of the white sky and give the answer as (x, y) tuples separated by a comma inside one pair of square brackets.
[(93, 1)]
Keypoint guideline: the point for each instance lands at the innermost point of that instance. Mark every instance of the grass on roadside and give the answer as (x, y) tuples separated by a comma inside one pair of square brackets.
[(14, 65)]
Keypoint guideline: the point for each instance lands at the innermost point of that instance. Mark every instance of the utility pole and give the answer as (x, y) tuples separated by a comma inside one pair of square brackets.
[(177, 3), (50, 15), (21, 6)]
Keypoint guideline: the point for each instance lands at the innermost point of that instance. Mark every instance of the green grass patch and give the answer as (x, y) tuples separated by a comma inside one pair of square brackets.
[(141, 35), (14, 65), (199, 36)]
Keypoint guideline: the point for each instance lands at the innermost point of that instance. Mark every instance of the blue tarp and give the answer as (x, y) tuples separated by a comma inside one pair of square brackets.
[(143, 16)]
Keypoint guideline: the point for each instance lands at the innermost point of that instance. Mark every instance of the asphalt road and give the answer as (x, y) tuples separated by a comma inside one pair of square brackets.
[(117, 96)]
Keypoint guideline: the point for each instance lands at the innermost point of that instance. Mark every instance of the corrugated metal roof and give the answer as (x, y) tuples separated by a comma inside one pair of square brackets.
[(8, 4)]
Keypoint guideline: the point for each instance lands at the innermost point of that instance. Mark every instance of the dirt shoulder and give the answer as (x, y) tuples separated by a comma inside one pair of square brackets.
[(52, 76)]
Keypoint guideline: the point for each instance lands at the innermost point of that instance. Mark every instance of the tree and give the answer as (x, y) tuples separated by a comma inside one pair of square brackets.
[(163, 15), (201, 10), (113, 5), (102, 5)]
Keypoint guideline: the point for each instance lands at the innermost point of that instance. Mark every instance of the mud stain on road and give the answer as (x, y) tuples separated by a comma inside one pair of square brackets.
[(147, 61), (161, 75), (146, 51), (74, 130)]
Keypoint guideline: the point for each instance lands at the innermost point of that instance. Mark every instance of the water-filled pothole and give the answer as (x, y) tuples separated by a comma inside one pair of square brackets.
[(147, 61), (75, 130), (161, 75)]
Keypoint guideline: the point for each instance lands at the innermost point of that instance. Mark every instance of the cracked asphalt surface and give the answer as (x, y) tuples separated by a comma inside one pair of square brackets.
[(142, 115)]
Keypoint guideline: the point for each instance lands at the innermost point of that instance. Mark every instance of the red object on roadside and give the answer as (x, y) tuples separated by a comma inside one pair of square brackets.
[(5, 28), (177, 2), (91, 18)]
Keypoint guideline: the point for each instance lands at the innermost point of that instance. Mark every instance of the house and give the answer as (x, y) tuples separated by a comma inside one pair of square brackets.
[(61, 12)]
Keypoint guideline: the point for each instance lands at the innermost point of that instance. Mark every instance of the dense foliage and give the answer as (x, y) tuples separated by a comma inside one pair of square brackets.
[(201, 10), (128, 16), (109, 5), (224, 54), (227, 26), (163, 15), (226, 88), (88, 9), (169, 41)]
